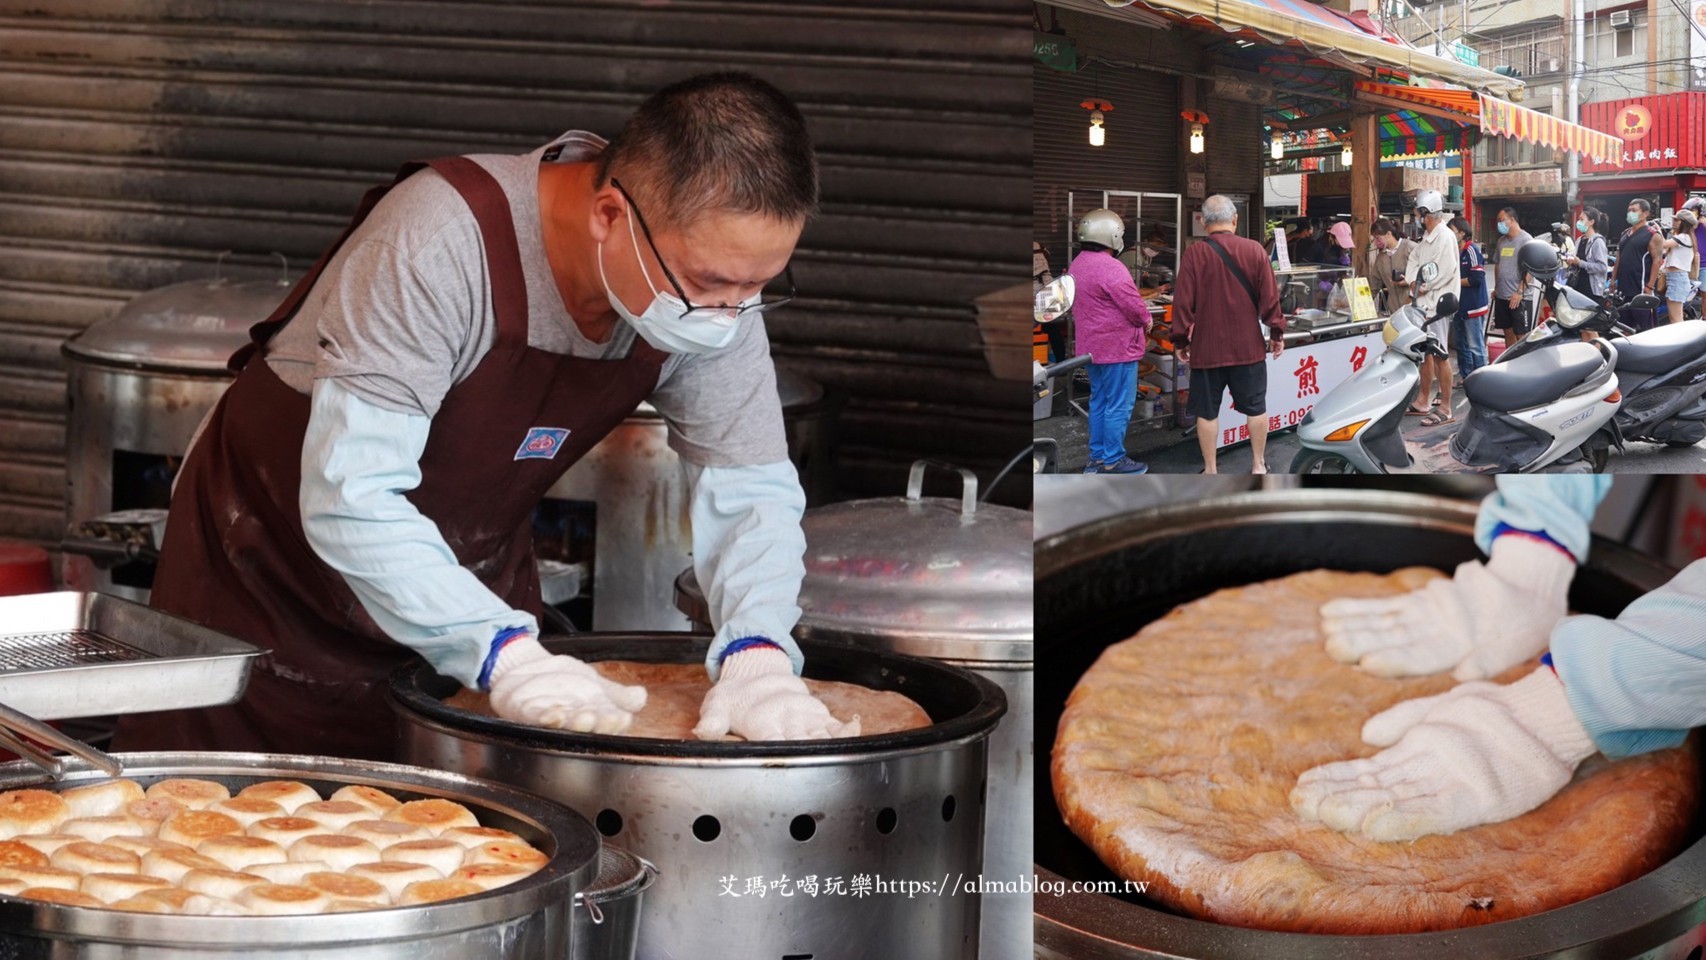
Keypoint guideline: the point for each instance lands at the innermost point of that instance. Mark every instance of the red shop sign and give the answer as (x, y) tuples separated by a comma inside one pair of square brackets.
[(1665, 132)]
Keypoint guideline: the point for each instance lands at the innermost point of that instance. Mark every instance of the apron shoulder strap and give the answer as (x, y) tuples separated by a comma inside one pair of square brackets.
[(264, 331), (490, 206), (497, 231)]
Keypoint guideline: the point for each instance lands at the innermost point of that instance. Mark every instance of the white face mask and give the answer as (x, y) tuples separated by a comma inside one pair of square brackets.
[(664, 323)]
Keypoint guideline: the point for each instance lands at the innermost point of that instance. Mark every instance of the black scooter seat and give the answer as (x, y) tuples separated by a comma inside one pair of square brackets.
[(1535, 378), (1662, 348)]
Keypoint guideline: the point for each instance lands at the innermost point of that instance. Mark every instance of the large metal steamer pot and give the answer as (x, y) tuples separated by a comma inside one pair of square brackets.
[(527, 920), (639, 490), (718, 817), (949, 580), (1097, 584), (137, 385)]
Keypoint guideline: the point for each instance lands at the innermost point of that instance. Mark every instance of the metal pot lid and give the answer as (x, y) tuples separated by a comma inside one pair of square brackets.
[(193, 327), (930, 577)]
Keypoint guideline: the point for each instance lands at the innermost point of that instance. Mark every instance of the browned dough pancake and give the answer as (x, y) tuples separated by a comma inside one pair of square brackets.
[(1179, 747), (675, 690)]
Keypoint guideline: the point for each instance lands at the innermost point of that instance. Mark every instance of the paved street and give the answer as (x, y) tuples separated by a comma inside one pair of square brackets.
[(1171, 450)]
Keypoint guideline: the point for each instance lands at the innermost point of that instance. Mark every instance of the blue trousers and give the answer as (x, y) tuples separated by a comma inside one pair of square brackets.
[(1469, 338), (1113, 392)]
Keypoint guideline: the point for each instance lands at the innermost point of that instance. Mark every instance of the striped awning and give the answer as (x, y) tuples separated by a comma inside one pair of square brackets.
[(1406, 134), (1498, 117), (1509, 120), (1340, 37)]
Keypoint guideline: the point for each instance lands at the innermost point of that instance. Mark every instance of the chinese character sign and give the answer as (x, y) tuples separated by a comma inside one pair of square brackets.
[(1659, 132), (1307, 382), (1300, 377)]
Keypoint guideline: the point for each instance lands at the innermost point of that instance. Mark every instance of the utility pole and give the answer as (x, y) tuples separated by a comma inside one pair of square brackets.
[(1573, 97)]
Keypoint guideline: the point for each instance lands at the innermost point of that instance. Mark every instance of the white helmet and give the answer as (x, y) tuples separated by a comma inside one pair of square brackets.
[(1429, 201), (1104, 227)]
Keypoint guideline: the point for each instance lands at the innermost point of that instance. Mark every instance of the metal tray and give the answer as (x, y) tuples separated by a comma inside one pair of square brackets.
[(72, 654)]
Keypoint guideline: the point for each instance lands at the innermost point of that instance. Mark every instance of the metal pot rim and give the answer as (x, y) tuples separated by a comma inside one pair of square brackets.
[(572, 867), (408, 690), (1621, 922)]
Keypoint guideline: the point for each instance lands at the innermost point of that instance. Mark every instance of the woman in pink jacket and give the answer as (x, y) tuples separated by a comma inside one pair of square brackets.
[(1111, 320)]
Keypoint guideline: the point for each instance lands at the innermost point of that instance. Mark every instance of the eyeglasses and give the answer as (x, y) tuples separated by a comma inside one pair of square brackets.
[(724, 312)]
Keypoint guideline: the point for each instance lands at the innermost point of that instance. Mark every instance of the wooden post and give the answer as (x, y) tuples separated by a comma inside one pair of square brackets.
[(1468, 185), (1365, 198)]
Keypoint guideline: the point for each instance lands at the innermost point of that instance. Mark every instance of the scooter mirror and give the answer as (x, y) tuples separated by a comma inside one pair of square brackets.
[(1428, 271), (1447, 305), (1646, 301), (1055, 299)]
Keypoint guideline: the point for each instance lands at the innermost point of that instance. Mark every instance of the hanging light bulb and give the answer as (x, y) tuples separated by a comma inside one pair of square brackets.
[(1197, 120), (1276, 147), (1345, 154), (1098, 133)]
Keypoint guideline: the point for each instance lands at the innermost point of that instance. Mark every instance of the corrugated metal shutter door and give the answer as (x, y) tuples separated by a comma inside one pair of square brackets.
[(139, 138), (1142, 149), (1233, 149)]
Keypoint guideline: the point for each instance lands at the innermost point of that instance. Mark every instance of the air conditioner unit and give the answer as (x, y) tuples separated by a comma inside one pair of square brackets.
[(1620, 20)]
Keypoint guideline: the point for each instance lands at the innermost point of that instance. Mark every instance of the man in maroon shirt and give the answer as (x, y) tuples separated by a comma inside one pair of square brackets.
[(1223, 296)]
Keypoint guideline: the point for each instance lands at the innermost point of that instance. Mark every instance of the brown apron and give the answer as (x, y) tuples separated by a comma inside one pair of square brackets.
[(235, 557)]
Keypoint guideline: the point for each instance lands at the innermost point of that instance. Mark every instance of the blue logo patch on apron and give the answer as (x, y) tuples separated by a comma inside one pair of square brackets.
[(542, 443)]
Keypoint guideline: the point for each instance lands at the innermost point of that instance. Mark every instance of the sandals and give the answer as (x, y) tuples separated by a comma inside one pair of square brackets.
[(1438, 417), (1428, 411)]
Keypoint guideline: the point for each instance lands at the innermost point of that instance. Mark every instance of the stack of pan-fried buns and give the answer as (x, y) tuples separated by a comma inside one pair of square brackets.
[(188, 846)]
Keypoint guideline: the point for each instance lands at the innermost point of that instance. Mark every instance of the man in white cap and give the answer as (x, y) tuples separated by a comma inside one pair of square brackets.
[(1438, 246)]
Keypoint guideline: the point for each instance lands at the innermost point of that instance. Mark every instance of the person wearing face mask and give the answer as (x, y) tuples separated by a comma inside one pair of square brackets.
[(1590, 264), (1639, 255), (1438, 247), (1469, 326), (1389, 256), (1510, 313), (364, 491)]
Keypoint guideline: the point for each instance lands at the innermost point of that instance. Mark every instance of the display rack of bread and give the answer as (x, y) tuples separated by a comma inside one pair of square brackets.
[(188, 846)]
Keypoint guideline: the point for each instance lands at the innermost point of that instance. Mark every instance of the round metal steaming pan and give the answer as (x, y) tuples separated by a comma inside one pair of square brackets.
[(1097, 584), (964, 705), (523, 919), (906, 805)]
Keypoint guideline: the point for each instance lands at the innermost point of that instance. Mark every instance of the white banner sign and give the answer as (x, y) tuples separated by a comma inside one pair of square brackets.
[(1300, 377), (1697, 44)]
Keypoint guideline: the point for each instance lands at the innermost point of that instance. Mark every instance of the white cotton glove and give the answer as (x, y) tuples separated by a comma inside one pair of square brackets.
[(1478, 753), (1486, 619), (531, 685), (757, 697)]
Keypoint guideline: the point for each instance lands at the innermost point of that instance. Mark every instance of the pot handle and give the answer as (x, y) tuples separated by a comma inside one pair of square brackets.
[(968, 488)]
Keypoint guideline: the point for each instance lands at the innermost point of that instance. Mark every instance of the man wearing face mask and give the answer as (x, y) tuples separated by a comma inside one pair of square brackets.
[(366, 487), (1510, 313)]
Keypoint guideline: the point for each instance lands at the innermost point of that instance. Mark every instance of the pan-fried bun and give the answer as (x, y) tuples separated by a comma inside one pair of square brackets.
[(192, 827), (31, 811), (277, 899), (195, 794), (288, 794), (60, 896), (104, 799), (433, 891), (435, 815), (108, 887), (239, 852)]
